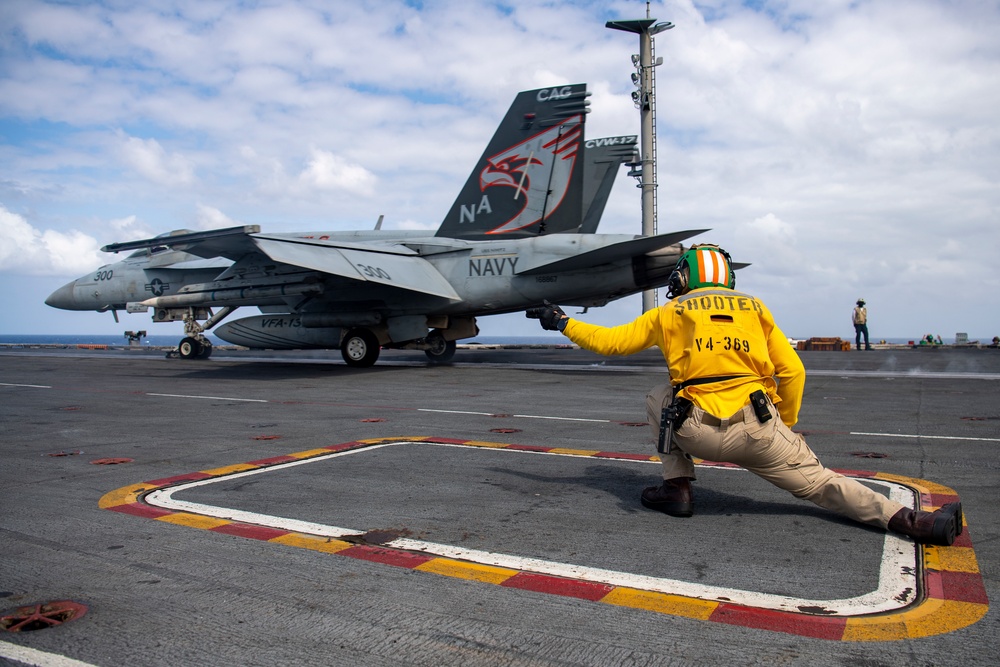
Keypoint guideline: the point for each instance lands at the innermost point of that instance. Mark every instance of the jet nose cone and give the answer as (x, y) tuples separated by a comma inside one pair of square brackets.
[(63, 298)]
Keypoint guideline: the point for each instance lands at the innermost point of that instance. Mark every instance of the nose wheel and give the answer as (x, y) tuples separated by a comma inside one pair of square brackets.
[(195, 345), (192, 348)]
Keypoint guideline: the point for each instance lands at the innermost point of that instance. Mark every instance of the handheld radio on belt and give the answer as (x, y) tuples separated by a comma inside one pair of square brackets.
[(671, 418), (758, 400)]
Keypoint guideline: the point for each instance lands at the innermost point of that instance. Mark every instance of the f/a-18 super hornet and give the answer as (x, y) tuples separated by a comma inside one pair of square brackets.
[(521, 230)]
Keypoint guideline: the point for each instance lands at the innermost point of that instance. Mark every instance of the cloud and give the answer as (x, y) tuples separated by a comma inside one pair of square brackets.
[(327, 171), (149, 159), (771, 237), (129, 228), (832, 145), (213, 218), (25, 250)]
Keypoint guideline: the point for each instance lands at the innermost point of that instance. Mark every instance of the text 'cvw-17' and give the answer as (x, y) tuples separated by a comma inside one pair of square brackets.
[(521, 230)]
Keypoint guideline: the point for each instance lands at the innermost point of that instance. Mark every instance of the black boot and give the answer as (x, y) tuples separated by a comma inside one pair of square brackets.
[(939, 527), (673, 497)]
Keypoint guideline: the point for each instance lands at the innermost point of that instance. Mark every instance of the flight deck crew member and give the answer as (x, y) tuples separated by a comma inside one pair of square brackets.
[(734, 394), (859, 316)]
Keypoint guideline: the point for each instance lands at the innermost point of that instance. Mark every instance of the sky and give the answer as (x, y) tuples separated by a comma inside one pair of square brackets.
[(844, 149)]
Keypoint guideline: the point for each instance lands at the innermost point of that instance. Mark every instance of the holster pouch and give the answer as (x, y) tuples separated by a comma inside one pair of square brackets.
[(671, 419), (758, 400)]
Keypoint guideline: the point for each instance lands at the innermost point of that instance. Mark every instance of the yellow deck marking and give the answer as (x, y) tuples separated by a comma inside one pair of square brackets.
[(926, 617), (675, 605), (193, 520), (123, 496), (465, 570), (573, 452), (227, 470), (326, 544)]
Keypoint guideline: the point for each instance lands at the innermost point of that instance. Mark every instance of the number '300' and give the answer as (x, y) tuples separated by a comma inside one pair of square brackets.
[(374, 272)]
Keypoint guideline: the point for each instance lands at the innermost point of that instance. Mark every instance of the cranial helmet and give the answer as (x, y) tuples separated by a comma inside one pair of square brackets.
[(702, 265), (861, 302)]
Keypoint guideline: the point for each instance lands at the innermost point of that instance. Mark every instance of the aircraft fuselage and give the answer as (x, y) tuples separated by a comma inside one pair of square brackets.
[(130, 281)]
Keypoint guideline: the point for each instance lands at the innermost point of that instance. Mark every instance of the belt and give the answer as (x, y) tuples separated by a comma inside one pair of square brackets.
[(711, 420), (706, 380)]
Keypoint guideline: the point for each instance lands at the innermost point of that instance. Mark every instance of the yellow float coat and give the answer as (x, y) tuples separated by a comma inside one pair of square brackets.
[(711, 332)]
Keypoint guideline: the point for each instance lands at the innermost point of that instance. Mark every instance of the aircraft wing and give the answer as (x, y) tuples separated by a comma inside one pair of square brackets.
[(231, 242), (384, 263), (387, 264), (622, 250)]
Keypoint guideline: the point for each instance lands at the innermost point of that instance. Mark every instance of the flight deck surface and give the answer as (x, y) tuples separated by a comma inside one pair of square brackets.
[(488, 511)]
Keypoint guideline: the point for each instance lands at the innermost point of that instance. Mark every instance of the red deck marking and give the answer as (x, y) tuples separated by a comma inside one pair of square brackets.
[(933, 584), (140, 509), (343, 447), (944, 585), (963, 540), (820, 627), (542, 583), (271, 461), (447, 441), (394, 557), (189, 477), (957, 586), (628, 457)]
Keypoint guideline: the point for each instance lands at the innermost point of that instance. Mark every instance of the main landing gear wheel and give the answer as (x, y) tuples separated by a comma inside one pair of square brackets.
[(360, 348), (190, 348), (440, 351)]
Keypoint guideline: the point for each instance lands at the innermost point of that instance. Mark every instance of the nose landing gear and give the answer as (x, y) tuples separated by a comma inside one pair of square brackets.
[(193, 348)]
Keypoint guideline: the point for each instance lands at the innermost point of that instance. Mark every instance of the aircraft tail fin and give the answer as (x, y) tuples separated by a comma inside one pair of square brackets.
[(600, 169), (529, 180)]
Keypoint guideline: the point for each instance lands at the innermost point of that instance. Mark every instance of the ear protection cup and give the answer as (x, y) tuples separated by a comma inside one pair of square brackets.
[(678, 281)]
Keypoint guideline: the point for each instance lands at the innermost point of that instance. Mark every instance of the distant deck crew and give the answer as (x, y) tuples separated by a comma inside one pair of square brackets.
[(734, 394), (859, 316)]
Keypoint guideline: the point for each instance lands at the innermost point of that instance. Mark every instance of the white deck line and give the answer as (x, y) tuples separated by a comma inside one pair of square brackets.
[(897, 574)]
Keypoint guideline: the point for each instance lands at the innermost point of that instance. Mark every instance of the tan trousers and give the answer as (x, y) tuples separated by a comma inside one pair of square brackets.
[(770, 450)]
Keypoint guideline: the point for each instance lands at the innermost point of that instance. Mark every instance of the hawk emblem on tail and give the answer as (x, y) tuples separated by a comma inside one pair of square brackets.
[(537, 171)]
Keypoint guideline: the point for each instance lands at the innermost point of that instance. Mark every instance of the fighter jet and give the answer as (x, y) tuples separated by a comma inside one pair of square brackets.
[(521, 230)]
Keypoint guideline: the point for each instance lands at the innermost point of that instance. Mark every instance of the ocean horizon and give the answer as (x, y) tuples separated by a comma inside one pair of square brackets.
[(173, 340)]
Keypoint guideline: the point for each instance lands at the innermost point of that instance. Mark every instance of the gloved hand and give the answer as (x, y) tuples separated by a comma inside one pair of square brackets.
[(551, 316)]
